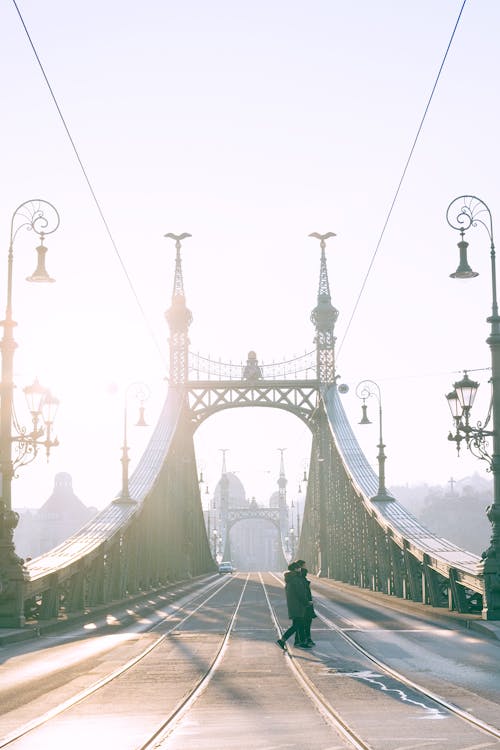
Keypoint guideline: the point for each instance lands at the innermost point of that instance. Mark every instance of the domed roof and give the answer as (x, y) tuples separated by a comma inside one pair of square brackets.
[(235, 490), (274, 500), (63, 500)]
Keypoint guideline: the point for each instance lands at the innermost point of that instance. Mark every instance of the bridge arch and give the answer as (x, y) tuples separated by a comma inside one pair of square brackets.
[(206, 398)]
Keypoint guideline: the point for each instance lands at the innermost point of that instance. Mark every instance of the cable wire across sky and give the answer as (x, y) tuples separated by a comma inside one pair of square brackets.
[(401, 179), (110, 234)]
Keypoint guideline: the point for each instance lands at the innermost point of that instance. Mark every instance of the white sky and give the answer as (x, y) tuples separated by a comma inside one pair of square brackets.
[(249, 125)]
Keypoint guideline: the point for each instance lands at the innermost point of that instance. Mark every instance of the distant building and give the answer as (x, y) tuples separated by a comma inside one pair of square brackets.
[(255, 543), (39, 530)]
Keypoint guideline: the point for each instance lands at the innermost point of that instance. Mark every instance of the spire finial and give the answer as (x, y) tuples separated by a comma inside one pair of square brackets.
[(282, 481), (282, 463), (224, 451), (324, 287), (178, 281)]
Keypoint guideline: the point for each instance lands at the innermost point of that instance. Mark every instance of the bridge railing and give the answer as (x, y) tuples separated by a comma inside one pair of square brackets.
[(302, 367)]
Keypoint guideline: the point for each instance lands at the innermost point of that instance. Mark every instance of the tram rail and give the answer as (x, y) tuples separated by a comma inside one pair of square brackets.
[(322, 603), (82, 695)]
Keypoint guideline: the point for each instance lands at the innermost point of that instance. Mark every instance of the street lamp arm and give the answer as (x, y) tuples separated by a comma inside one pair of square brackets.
[(367, 388), (469, 208), (33, 216)]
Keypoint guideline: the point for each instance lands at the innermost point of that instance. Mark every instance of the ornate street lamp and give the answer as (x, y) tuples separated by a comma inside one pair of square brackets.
[(140, 392), (364, 390), (460, 401), (42, 218), (464, 212)]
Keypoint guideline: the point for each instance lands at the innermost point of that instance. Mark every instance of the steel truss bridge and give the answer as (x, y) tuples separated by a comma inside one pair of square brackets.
[(159, 535)]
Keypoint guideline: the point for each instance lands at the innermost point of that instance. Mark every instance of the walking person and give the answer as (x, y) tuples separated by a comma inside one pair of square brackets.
[(310, 614), (297, 603)]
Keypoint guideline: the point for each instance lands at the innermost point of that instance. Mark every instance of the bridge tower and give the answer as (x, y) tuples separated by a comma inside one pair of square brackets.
[(324, 316)]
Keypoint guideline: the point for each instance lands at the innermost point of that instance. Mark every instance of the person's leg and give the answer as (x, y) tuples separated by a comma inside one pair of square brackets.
[(307, 628), (299, 634), (299, 627), (291, 630), (307, 631)]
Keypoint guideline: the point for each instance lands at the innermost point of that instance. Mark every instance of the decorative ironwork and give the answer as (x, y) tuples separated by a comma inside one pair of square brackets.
[(324, 317), (475, 437), (233, 515), (179, 318), (467, 211), (302, 367), (207, 397)]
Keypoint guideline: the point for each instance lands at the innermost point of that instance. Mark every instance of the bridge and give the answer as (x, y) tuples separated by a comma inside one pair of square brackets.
[(157, 534)]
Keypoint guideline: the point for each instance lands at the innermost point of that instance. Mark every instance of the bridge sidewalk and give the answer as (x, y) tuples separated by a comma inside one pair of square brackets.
[(470, 621)]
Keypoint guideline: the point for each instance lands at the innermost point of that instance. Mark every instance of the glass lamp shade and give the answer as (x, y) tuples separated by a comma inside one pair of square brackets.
[(454, 404), (466, 390), (364, 418), (40, 274), (35, 395), (50, 406), (141, 422), (464, 271)]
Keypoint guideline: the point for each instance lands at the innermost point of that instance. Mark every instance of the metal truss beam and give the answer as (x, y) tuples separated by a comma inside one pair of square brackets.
[(300, 397)]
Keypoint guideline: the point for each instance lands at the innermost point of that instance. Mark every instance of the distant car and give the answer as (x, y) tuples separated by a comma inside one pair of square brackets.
[(226, 567)]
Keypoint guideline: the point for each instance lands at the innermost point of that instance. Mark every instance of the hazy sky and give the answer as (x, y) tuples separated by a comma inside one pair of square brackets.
[(248, 125)]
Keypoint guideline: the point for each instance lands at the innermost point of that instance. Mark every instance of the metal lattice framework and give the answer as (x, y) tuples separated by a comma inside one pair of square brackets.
[(208, 397)]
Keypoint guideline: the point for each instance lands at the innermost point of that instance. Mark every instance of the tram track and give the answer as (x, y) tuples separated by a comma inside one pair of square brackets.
[(91, 690), (322, 603), (324, 706), (200, 649), (168, 726)]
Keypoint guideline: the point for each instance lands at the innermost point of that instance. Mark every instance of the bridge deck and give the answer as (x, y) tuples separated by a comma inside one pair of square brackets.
[(253, 696)]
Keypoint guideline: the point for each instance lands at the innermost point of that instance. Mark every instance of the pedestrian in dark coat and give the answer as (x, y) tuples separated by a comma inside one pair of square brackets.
[(310, 614), (297, 603)]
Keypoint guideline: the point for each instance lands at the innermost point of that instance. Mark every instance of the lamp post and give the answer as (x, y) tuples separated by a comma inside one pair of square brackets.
[(364, 390), (41, 218), (464, 212), (140, 392)]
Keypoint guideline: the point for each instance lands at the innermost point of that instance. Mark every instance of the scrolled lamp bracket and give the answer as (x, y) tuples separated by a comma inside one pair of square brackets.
[(460, 401), (42, 406)]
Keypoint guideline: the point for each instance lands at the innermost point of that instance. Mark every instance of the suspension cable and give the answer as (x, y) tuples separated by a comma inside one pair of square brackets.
[(403, 175), (92, 191)]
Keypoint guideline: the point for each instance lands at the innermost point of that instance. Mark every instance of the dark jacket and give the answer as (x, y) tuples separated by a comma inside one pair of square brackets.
[(310, 613), (296, 594)]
